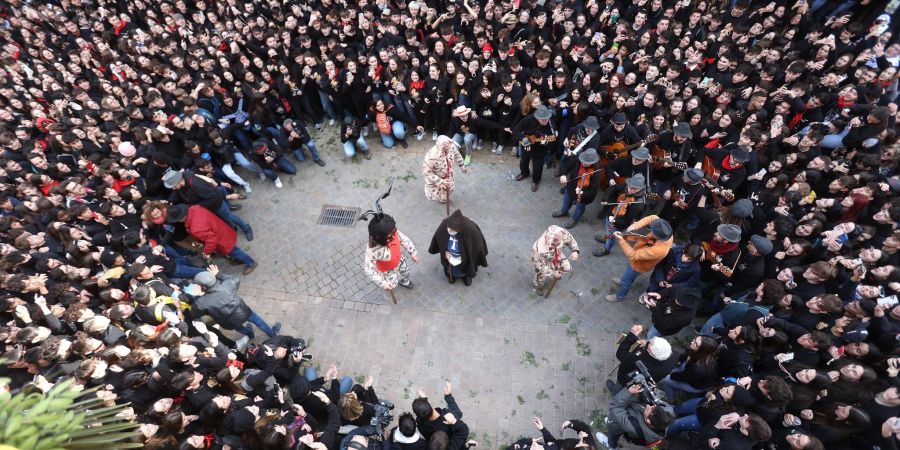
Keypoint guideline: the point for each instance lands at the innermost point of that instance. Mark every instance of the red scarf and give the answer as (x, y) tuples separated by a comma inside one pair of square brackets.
[(118, 185), (796, 119), (418, 85), (726, 164), (45, 188), (723, 248), (121, 26), (844, 103)]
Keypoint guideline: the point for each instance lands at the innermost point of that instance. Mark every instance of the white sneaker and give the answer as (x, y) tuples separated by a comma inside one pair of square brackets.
[(601, 439), (241, 343), (330, 122), (434, 135), (366, 132), (278, 183), (247, 188), (479, 144), (499, 149)]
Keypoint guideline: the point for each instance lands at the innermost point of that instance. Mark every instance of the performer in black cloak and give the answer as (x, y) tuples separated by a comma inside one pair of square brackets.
[(462, 247)]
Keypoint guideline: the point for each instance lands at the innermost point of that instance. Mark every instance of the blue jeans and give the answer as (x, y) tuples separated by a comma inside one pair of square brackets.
[(568, 200), (231, 218), (313, 151), (327, 105), (610, 241), (255, 319), (627, 279), (246, 163), (346, 382), (652, 332), (242, 257), (350, 148), (284, 165), (468, 141), (398, 130), (186, 271), (714, 321), (688, 420)]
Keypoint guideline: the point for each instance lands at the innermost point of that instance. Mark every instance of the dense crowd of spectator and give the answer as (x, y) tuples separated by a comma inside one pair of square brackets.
[(767, 133)]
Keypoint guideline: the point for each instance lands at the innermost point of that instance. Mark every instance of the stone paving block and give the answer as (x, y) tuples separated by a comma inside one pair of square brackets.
[(311, 279)]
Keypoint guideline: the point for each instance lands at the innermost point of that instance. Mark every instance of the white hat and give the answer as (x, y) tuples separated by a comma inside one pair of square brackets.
[(126, 149), (659, 349)]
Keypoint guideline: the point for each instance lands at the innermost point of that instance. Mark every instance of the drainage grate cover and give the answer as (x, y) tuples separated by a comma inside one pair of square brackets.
[(338, 216)]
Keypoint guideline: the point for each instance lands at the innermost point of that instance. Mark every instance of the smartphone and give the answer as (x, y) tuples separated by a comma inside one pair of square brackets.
[(888, 301), (843, 238), (787, 357)]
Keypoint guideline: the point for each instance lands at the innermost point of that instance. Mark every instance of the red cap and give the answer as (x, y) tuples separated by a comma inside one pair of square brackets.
[(487, 48)]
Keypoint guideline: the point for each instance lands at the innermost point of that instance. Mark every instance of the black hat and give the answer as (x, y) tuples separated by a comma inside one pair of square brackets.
[(176, 213), (741, 154), (619, 118), (661, 229)]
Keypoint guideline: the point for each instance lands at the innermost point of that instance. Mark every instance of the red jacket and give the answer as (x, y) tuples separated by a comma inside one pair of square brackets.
[(208, 228)]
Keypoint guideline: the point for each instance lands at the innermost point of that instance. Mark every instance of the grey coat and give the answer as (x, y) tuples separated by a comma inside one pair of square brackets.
[(626, 414), (222, 303)]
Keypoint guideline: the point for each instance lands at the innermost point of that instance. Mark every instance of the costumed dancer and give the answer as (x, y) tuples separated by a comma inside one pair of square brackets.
[(548, 259), (462, 247), (385, 260), (437, 168)]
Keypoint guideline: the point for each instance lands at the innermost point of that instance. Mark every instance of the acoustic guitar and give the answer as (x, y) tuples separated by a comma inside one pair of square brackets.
[(660, 158), (621, 149)]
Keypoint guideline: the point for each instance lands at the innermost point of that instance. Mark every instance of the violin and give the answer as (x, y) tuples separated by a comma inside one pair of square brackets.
[(637, 237), (623, 200)]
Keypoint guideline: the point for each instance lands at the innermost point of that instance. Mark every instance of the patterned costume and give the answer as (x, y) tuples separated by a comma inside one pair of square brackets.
[(547, 257), (386, 264), (437, 167)]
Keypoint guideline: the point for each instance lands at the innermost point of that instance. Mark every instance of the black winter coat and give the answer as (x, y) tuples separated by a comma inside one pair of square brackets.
[(472, 246)]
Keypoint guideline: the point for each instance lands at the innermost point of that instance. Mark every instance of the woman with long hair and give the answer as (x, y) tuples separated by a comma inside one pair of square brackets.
[(696, 371)]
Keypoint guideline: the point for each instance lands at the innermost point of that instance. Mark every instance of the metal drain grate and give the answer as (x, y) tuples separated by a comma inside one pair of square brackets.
[(338, 216)]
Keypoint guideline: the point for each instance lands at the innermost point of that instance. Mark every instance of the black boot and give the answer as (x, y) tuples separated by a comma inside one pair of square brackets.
[(467, 281)]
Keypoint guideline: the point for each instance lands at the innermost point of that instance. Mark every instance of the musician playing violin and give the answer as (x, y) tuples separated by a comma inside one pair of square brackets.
[(674, 148), (684, 197), (581, 178), (643, 251), (625, 203)]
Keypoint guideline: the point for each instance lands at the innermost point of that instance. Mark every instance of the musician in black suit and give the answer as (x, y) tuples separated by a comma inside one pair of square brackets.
[(684, 196), (536, 134), (581, 177), (681, 150), (618, 131), (578, 134), (628, 165)]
